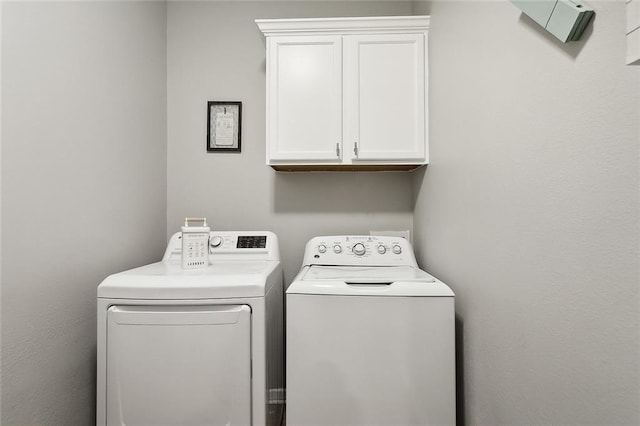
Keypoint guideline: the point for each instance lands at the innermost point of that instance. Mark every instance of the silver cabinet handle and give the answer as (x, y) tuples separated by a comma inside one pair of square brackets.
[(338, 149), (355, 149)]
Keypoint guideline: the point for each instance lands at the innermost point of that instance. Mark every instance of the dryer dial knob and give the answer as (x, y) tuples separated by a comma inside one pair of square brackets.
[(359, 249), (215, 241), (322, 248), (382, 249), (397, 249), (337, 249)]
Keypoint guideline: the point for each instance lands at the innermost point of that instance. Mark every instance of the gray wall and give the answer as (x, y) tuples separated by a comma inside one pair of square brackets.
[(216, 52), (530, 211), (83, 188)]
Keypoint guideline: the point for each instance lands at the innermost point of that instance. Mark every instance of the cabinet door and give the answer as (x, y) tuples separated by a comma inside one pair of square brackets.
[(385, 80), (304, 98)]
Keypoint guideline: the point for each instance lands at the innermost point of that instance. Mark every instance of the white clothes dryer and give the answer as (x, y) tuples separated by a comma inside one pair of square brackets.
[(194, 347), (370, 337)]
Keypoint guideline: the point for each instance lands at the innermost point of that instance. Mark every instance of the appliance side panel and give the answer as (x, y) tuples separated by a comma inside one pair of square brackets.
[(101, 362), (275, 362)]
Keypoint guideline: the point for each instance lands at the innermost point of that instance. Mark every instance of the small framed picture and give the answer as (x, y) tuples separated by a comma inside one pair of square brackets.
[(224, 126)]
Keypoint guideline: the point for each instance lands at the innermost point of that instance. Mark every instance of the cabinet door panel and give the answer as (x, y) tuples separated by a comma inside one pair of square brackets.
[(304, 114), (385, 77)]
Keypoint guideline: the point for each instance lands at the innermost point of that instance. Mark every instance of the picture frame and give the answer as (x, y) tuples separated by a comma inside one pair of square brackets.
[(224, 126)]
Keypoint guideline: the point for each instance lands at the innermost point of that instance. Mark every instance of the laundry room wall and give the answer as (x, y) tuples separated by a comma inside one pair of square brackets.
[(529, 209), (83, 188), (215, 53)]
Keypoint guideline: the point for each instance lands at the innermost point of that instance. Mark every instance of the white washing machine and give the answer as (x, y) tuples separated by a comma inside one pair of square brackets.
[(370, 337), (194, 347)]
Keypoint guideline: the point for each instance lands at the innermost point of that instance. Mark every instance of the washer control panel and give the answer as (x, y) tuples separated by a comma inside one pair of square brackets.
[(366, 250)]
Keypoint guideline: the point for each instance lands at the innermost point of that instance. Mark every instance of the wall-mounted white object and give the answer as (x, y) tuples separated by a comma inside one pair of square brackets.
[(565, 19), (633, 32), (346, 93)]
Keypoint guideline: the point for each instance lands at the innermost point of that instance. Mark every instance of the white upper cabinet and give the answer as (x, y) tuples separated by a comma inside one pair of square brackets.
[(347, 93)]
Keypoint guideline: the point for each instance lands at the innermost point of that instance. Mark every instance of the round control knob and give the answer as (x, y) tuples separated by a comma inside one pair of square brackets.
[(322, 248), (337, 249), (397, 249), (382, 249), (359, 249), (215, 241)]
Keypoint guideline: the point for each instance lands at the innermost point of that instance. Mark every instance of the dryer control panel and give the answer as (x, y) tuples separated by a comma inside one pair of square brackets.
[(232, 245), (355, 250)]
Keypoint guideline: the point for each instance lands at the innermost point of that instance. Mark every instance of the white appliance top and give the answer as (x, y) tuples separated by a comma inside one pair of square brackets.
[(240, 264), (364, 266)]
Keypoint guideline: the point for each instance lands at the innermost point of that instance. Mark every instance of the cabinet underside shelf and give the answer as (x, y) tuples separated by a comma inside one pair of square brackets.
[(347, 167)]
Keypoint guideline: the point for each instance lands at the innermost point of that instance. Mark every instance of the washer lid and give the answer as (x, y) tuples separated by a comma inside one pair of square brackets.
[(368, 281), (375, 273), (167, 280)]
